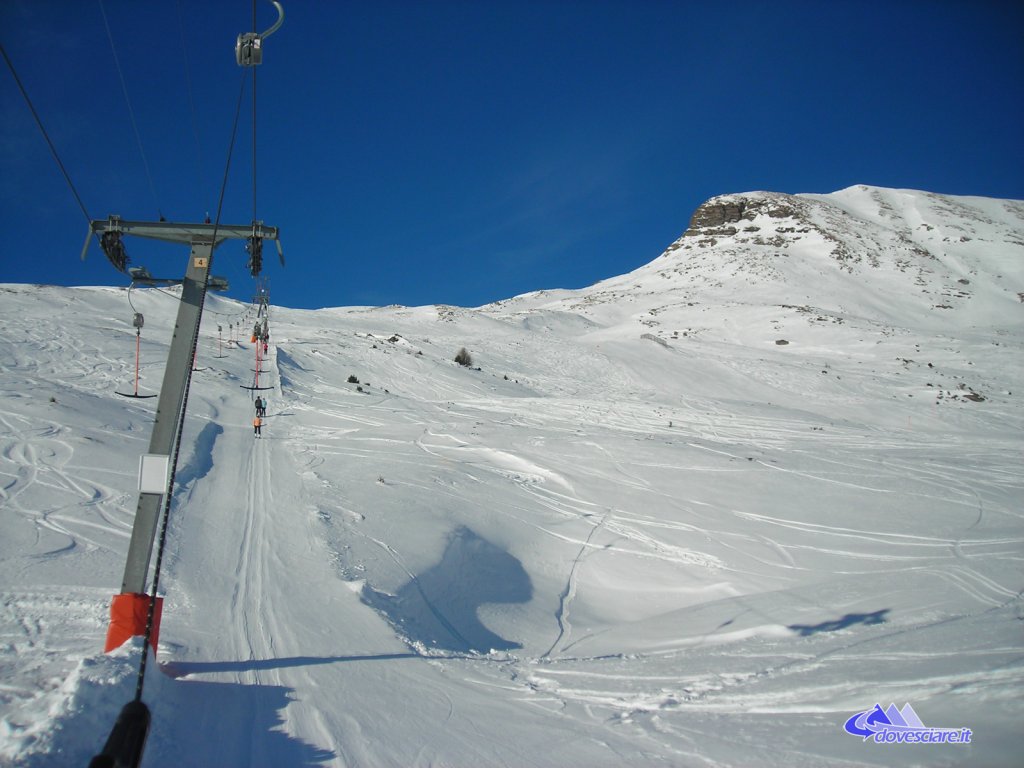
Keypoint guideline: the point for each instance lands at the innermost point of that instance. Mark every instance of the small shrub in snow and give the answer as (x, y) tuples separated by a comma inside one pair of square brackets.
[(353, 380), (464, 358)]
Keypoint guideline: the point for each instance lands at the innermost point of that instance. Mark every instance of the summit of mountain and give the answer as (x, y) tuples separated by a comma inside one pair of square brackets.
[(879, 257)]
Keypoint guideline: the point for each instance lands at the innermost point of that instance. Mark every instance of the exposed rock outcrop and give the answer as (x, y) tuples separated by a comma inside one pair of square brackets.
[(713, 216)]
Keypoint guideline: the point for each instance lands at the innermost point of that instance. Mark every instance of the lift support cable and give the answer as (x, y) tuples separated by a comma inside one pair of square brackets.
[(126, 743), (131, 112), (39, 122), (200, 175), (184, 409), (127, 739)]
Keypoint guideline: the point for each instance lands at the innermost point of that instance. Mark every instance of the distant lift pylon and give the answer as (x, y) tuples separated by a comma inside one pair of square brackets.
[(260, 336)]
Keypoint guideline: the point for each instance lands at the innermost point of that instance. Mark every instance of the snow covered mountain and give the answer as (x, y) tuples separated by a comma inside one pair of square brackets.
[(699, 514), (885, 257)]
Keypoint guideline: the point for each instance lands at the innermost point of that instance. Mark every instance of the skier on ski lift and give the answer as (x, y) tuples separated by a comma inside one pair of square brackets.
[(257, 423), (259, 406)]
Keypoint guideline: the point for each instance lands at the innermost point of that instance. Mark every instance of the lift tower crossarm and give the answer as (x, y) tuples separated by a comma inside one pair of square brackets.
[(185, 233)]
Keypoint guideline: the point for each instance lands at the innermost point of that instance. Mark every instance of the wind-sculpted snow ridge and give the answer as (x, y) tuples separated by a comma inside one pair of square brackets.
[(588, 549)]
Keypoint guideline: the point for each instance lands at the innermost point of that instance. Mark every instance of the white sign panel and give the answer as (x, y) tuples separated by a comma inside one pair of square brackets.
[(154, 470)]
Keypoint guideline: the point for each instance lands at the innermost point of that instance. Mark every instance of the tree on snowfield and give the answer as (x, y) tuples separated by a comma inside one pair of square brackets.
[(463, 358)]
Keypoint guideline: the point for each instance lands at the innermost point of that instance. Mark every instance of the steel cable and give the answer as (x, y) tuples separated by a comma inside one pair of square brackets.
[(165, 515), (191, 102), (131, 113), (39, 122)]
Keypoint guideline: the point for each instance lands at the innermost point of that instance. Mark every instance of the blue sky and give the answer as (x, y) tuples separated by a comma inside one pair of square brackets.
[(464, 152)]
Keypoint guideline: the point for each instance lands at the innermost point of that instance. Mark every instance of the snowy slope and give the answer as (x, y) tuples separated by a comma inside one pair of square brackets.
[(640, 530)]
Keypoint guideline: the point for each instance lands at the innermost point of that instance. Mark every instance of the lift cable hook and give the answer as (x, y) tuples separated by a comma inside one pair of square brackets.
[(249, 47)]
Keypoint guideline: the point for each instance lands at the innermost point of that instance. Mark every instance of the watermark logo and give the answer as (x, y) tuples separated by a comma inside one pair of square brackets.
[(901, 726)]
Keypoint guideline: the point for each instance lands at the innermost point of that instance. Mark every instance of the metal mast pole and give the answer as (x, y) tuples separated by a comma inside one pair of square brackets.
[(168, 409), (130, 608)]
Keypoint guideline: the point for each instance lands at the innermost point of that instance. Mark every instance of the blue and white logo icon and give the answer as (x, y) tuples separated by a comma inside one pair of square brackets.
[(901, 726)]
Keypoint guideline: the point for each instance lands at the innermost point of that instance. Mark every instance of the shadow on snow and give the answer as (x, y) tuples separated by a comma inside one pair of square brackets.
[(179, 669), (438, 608), (205, 723), (201, 460), (849, 620)]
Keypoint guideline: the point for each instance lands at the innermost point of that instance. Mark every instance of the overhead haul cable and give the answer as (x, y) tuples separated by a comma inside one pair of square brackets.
[(126, 742), (165, 514), (49, 143), (201, 179), (131, 112)]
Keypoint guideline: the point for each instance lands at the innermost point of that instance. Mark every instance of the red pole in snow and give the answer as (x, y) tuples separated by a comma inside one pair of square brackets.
[(138, 333), (257, 363)]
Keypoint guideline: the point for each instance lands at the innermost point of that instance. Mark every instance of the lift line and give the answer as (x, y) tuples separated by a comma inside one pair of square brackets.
[(133, 612)]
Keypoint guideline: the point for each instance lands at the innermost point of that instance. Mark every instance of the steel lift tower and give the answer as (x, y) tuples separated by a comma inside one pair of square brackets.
[(130, 609)]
